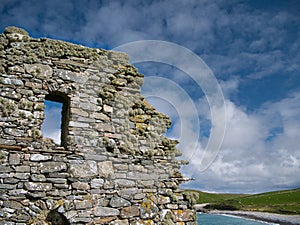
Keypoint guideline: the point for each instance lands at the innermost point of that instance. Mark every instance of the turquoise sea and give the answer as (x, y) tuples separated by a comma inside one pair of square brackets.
[(214, 219)]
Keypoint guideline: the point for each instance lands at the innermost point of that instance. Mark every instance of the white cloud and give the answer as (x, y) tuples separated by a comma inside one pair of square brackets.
[(248, 160)]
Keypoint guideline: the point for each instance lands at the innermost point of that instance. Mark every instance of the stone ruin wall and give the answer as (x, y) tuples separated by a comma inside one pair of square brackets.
[(114, 165)]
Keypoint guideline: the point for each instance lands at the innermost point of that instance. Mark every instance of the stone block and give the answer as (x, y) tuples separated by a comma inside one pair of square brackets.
[(83, 204), (184, 215), (163, 200), (39, 70), (50, 167), (97, 183), (83, 169), (14, 159), (39, 157), (105, 169), (106, 211), (5, 169), (7, 186), (38, 177), (148, 209), (105, 127), (107, 109), (38, 186), (120, 222), (130, 211), (128, 193), (124, 183), (57, 180), (22, 169), (81, 186), (117, 202), (59, 193)]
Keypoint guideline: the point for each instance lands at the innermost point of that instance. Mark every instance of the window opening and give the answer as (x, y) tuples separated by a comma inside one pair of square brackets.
[(51, 127), (55, 125)]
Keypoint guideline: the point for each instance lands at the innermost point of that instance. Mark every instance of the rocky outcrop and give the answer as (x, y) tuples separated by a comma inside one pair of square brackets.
[(114, 165)]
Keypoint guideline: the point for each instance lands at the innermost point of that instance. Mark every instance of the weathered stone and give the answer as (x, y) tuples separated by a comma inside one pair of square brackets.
[(124, 183), (39, 70), (60, 193), (117, 202), (14, 159), (100, 116), (83, 204), (70, 76), (105, 169), (106, 211), (105, 127), (15, 69), (78, 124), (120, 222), (107, 109), (95, 157), (148, 209), (5, 169), (163, 200), (22, 176), (38, 186), (81, 186), (57, 180), (22, 169), (79, 112), (130, 211), (97, 183), (9, 81), (81, 168), (39, 157), (172, 206), (17, 192), (50, 167), (127, 193), (184, 215), (139, 196), (7, 186), (10, 180), (106, 220), (38, 177)]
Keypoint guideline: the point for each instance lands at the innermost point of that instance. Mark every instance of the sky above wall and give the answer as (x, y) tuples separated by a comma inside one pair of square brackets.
[(251, 47)]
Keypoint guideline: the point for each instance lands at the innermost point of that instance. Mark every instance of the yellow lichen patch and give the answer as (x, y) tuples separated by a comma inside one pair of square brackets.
[(178, 214), (140, 118), (40, 219), (105, 220), (146, 205), (180, 223), (145, 222)]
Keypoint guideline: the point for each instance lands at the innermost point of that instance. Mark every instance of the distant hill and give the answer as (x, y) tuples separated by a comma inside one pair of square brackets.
[(283, 202)]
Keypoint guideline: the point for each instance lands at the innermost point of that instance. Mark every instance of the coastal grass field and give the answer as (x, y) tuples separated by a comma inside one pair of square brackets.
[(283, 202)]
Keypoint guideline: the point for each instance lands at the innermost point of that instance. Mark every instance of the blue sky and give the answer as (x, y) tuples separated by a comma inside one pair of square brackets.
[(252, 48)]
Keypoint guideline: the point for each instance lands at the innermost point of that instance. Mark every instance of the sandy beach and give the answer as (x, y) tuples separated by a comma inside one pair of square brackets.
[(281, 219), (262, 216)]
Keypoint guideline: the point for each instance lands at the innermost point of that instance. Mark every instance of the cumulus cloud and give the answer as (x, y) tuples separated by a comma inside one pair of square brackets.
[(259, 152)]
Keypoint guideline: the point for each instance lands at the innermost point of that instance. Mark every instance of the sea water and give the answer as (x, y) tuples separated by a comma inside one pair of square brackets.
[(215, 219)]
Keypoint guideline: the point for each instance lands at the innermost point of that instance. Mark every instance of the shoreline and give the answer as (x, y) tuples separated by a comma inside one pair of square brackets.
[(281, 219)]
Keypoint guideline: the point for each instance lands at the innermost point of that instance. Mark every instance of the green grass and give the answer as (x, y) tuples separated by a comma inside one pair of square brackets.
[(285, 202), (205, 197)]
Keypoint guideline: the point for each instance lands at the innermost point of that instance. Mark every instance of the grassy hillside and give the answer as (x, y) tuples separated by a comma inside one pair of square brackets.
[(205, 197), (286, 202)]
